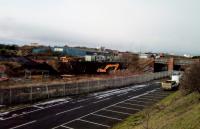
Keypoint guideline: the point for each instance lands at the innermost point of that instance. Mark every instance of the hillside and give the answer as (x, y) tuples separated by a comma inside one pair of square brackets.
[(174, 112)]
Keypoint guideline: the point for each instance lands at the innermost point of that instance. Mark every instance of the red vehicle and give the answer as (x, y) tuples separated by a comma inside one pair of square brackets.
[(3, 79)]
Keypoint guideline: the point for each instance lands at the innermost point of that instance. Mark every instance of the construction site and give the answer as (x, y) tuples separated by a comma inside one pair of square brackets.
[(24, 65)]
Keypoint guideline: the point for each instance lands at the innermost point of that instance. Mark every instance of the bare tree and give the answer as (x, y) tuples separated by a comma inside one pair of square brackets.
[(191, 79)]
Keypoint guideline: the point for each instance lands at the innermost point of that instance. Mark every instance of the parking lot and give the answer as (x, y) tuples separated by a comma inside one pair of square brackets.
[(99, 110), (109, 116)]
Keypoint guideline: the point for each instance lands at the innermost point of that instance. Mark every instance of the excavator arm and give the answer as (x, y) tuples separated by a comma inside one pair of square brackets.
[(107, 67)]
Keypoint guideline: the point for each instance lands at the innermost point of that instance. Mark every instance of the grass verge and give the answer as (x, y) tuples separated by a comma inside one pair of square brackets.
[(173, 112)]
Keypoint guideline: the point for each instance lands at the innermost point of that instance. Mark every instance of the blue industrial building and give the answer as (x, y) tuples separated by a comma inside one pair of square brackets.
[(70, 51)]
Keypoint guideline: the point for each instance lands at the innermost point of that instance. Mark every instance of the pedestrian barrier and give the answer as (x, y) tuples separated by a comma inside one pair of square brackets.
[(33, 93)]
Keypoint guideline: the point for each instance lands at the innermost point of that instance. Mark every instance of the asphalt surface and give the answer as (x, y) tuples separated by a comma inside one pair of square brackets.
[(99, 110)]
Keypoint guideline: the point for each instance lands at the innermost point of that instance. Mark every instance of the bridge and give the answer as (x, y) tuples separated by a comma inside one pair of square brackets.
[(172, 63)]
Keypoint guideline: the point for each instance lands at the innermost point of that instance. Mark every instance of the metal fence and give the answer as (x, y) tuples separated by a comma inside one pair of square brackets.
[(35, 93)]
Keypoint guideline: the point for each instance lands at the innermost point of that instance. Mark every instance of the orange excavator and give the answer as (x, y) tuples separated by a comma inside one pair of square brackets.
[(108, 68)]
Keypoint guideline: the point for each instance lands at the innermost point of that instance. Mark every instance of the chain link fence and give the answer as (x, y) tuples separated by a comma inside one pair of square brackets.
[(35, 93)]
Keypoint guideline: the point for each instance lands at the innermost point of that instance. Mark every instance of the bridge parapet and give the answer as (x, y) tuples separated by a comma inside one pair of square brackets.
[(177, 61), (161, 60)]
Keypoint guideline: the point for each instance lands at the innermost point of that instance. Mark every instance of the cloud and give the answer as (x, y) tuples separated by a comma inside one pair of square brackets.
[(170, 26)]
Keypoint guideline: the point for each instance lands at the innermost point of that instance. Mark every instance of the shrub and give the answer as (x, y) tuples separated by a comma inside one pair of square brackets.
[(190, 81)]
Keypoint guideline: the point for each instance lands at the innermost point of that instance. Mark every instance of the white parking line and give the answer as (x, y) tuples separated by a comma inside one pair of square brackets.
[(69, 110), (146, 99), (140, 101), (101, 100), (127, 108), (94, 123), (156, 96), (107, 117), (82, 100), (32, 111), (122, 94), (38, 107), (153, 97), (134, 104), (148, 92), (23, 124), (66, 127), (161, 94), (125, 113)]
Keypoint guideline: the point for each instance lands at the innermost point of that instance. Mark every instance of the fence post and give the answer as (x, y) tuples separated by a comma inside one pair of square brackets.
[(47, 90), (98, 83), (64, 92), (10, 96), (88, 86), (1, 95), (76, 87), (31, 94)]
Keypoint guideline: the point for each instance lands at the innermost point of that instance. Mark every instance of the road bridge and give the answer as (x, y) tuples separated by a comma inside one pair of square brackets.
[(172, 63)]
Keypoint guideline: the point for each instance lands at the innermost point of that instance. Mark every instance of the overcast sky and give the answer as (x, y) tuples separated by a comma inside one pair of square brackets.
[(133, 25)]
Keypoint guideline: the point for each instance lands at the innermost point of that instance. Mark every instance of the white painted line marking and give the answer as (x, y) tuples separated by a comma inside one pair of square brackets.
[(140, 101), (33, 111), (134, 104), (23, 124), (69, 110), (38, 107), (122, 94), (101, 100), (66, 127), (148, 92), (134, 109), (125, 113), (20, 114), (82, 100), (107, 117), (146, 99), (160, 94), (152, 97), (156, 96), (94, 123)]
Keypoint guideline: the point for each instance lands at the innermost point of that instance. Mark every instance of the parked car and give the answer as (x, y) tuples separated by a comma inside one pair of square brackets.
[(169, 85)]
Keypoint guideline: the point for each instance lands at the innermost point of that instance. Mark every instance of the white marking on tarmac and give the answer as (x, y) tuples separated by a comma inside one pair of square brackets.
[(117, 91), (122, 94), (94, 123), (107, 117), (156, 95), (66, 127), (148, 92), (101, 100), (134, 109), (152, 97), (23, 124), (134, 104), (125, 113), (33, 111), (82, 100), (140, 101), (147, 99), (38, 107), (69, 110)]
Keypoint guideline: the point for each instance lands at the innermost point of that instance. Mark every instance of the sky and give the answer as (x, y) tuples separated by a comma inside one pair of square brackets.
[(128, 25)]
